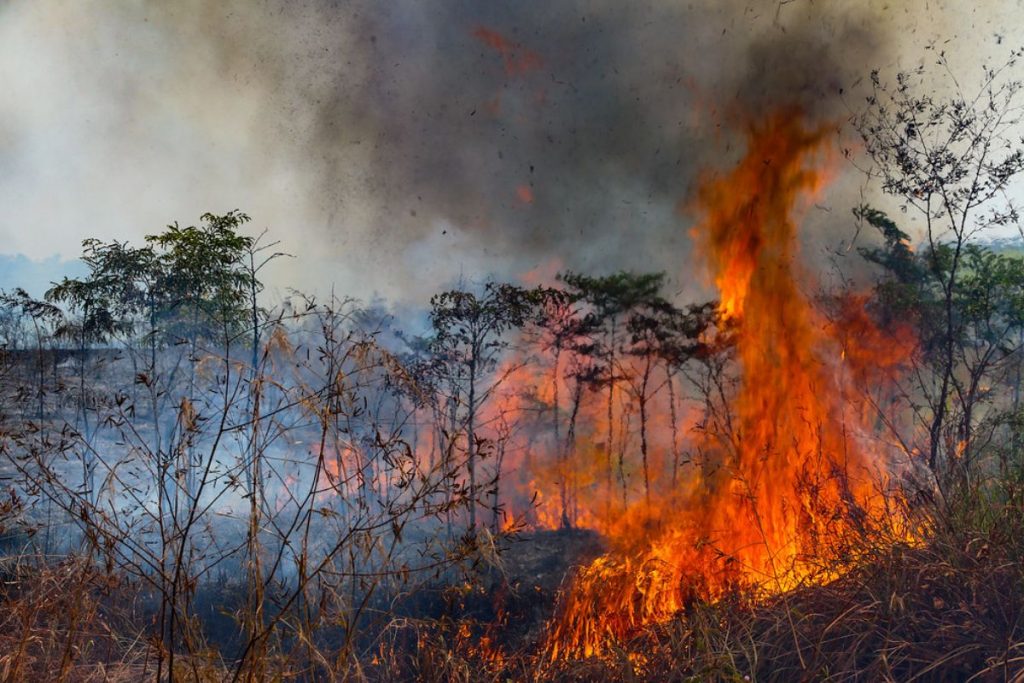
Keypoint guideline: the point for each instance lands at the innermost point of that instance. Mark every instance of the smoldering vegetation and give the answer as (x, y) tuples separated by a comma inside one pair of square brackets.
[(188, 466), (201, 487), (597, 478)]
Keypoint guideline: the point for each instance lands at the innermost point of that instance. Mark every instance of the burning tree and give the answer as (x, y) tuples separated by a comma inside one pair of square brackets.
[(613, 301), (791, 490), (469, 339)]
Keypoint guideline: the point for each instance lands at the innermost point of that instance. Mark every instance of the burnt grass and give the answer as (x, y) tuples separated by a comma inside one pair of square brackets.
[(494, 610), (512, 600), (949, 609), (509, 600)]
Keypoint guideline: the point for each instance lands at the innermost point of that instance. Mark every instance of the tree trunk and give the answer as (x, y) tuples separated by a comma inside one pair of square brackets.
[(673, 420), (643, 430), (471, 440), (495, 501), (563, 470), (610, 416), (570, 446)]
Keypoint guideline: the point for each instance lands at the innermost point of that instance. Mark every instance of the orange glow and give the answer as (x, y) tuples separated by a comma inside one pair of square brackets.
[(517, 60), (524, 194), (545, 273), (767, 486), (778, 498)]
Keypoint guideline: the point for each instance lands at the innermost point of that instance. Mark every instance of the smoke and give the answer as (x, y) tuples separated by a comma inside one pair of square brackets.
[(566, 131), (395, 146)]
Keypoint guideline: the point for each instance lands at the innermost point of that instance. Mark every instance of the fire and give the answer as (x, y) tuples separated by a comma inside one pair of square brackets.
[(525, 194), (780, 497), (775, 489), (517, 60)]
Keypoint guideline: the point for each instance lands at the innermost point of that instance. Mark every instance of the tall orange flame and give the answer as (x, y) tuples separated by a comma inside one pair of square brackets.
[(790, 488)]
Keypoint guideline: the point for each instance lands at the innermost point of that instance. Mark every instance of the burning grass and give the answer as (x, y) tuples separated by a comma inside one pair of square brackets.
[(951, 609), (947, 608)]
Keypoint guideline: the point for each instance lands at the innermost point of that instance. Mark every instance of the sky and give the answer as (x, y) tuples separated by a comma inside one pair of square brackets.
[(395, 147)]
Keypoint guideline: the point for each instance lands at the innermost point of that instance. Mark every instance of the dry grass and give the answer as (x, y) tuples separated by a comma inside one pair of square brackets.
[(949, 610), (56, 624)]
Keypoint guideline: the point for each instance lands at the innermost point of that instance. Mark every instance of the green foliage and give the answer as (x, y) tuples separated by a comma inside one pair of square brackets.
[(609, 302), (456, 314), (202, 278), (671, 334), (185, 283), (94, 297), (36, 309), (614, 295), (986, 288), (950, 159)]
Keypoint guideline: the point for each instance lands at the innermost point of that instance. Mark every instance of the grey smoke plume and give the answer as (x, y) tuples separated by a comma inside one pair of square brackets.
[(567, 131), (394, 145)]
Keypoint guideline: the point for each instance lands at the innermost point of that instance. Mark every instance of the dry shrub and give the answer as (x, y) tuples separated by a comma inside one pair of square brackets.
[(56, 624)]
